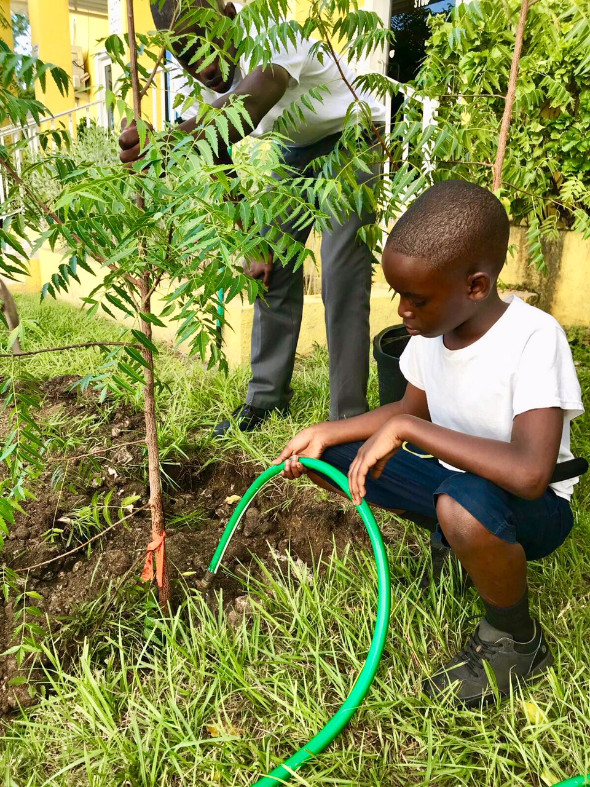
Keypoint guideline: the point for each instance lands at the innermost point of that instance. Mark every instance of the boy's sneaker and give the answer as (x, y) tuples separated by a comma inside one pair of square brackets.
[(507, 658), (246, 418)]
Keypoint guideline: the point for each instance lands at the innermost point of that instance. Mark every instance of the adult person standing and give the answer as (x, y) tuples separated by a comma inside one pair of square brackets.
[(346, 261)]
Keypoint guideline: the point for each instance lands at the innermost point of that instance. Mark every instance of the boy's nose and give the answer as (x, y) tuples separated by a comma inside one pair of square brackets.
[(404, 310)]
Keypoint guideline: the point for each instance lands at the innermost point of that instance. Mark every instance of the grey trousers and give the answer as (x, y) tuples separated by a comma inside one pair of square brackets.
[(346, 291)]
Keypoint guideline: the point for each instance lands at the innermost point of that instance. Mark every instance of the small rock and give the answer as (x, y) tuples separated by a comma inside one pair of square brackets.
[(77, 566), (242, 608), (243, 604), (22, 532), (234, 618), (122, 457), (115, 431)]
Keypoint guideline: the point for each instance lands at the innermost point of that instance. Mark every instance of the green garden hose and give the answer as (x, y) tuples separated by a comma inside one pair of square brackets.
[(325, 736)]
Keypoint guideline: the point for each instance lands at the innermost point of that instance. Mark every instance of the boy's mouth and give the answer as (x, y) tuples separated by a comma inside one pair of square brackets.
[(410, 330)]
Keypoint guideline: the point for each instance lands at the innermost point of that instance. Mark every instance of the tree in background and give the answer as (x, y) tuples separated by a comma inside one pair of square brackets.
[(546, 172)]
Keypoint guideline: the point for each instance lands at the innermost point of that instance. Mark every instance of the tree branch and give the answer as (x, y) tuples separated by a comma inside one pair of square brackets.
[(95, 452), (152, 76), (71, 347), (55, 218), (356, 97)]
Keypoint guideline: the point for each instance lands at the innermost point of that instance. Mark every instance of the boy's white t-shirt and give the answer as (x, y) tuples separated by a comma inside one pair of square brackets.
[(522, 363), (305, 72)]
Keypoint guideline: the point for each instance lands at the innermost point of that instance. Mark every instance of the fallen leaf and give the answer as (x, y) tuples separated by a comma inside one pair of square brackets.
[(218, 730), (534, 714), (548, 778)]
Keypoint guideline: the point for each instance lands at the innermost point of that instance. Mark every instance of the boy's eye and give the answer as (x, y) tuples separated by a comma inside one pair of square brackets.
[(418, 304)]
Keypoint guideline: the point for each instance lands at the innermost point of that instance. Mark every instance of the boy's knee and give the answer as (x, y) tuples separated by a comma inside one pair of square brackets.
[(461, 528)]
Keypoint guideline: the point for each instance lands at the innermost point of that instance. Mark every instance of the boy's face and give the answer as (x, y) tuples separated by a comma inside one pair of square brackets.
[(432, 302), (211, 76)]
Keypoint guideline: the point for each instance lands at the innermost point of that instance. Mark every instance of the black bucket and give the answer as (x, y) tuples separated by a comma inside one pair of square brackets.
[(387, 349)]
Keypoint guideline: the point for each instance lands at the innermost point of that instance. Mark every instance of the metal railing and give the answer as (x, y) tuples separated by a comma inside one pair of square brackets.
[(10, 136)]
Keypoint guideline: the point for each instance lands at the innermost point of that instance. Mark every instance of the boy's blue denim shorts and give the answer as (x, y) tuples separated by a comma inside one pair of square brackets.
[(412, 483)]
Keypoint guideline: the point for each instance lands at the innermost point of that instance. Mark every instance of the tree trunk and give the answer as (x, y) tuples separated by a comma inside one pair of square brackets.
[(510, 95), (155, 479)]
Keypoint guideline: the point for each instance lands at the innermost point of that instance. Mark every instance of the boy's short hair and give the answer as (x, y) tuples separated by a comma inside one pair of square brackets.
[(454, 221)]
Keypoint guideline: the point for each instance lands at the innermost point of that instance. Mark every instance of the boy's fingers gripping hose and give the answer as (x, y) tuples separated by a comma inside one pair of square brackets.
[(325, 736)]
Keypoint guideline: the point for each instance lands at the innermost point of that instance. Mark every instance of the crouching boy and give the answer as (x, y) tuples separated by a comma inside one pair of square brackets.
[(491, 392)]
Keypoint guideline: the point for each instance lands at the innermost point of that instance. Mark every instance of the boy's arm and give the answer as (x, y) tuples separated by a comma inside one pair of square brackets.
[(523, 466), (261, 89), (314, 440)]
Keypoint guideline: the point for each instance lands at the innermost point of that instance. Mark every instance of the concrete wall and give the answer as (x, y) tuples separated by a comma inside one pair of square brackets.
[(563, 288), (563, 291)]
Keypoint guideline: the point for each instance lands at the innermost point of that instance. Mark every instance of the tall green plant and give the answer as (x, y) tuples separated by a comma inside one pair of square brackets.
[(195, 220), (545, 181)]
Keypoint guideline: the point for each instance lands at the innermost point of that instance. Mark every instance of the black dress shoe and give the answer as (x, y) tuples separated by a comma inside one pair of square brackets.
[(246, 418)]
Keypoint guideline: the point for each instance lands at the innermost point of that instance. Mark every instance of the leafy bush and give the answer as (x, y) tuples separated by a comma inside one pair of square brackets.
[(546, 175), (93, 146)]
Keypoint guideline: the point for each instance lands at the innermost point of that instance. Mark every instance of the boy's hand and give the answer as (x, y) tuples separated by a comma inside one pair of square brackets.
[(311, 442), (374, 455)]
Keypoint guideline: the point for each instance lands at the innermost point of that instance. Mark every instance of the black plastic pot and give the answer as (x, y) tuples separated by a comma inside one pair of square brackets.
[(387, 349)]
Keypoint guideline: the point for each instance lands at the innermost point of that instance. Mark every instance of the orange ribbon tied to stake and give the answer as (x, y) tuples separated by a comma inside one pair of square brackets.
[(155, 547)]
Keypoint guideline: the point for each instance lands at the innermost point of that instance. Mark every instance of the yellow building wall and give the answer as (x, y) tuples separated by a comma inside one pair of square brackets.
[(89, 31), (6, 32), (562, 292), (50, 32)]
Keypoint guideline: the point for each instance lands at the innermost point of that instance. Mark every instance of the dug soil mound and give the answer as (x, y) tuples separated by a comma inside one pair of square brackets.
[(108, 469)]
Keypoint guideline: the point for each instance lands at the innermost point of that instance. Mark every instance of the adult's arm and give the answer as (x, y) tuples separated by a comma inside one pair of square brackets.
[(262, 88)]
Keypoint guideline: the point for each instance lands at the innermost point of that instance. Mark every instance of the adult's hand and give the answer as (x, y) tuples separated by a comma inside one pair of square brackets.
[(259, 270), (129, 143)]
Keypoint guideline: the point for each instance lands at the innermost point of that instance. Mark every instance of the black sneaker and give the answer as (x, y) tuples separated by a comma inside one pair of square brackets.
[(507, 658), (246, 418)]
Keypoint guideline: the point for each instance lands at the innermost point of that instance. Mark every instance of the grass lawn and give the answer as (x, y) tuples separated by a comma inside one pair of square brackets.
[(196, 701)]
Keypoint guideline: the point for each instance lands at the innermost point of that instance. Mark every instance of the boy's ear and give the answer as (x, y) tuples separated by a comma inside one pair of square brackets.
[(479, 285)]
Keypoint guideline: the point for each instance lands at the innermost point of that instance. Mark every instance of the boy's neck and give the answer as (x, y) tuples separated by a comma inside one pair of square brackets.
[(487, 314)]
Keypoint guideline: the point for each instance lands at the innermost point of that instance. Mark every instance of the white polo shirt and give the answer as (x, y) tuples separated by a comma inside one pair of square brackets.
[(305, 71)]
